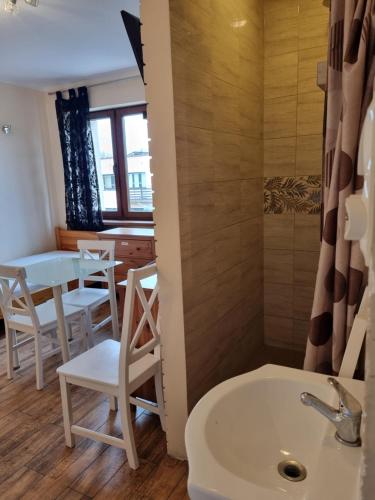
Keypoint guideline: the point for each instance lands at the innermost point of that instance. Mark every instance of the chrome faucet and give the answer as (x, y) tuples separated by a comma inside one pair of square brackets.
[(347, 419)]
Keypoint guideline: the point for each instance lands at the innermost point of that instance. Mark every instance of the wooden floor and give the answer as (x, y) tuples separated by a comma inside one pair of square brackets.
[(35, 464)]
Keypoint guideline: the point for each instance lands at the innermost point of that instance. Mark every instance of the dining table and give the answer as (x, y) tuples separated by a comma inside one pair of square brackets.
[(55, 273)]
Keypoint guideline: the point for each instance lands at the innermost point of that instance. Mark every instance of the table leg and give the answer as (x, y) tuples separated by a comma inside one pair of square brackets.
[(61, 324), (113, 304)]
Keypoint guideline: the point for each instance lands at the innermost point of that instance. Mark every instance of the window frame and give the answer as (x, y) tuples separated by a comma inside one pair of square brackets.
[(120, 164)]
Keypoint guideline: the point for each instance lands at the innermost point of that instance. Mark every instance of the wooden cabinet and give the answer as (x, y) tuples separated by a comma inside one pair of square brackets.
[(135, 247)]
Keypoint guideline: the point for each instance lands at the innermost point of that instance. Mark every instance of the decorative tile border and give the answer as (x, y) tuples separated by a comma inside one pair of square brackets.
[(292, 194)]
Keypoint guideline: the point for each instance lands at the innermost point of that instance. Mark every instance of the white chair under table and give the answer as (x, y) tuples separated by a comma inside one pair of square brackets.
[(34, 321), (119, 369), (91, 298)]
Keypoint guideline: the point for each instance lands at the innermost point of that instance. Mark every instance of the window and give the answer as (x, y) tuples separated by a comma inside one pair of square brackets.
[(123, 163), (109, 182)]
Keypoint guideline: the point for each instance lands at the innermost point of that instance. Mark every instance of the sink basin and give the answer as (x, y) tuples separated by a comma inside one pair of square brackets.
[(240, 432)]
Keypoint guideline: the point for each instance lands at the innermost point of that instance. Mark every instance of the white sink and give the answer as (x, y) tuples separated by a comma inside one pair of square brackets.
[(242, 429)]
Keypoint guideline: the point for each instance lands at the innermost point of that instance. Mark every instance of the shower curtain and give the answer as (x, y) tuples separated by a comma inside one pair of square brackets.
[(341, 273)]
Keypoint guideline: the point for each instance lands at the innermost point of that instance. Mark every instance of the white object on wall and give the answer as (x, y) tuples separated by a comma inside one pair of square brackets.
[(6, 129)]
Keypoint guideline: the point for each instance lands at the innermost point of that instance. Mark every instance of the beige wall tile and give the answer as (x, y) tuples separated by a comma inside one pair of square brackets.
[(310, 113), (191, 44), (280, 117), (278, 300), (197, 209), (195, 154), (227, 247), (305, 268), (302, 302), (251, 63), (226, 156), (225, 102), (251, 113), (225, 54), (251, 238), (312, 24), (280, 75), (278, 331), (198, 259), (278, 266), (307, 67), (228, 293), (251, 198), (300, 333), (276, 10), (307, 233), (279, 231), (193, 96), (279, 157), (252, 285), (309, 154), (280, 27), (227, 203), (251, 158), (199, 302)]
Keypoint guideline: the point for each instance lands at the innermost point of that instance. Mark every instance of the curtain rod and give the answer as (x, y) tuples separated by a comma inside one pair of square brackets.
[(97, 84)]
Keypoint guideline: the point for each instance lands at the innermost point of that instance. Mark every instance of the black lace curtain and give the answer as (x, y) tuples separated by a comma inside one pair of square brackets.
[(82, 199)]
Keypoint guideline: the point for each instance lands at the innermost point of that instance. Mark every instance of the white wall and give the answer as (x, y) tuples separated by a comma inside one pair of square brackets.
[(25, 220), (159, 92), (121, 93)]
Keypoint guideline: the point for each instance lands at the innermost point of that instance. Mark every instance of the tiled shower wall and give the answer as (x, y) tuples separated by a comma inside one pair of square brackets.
[(295, 40), (217, 63)]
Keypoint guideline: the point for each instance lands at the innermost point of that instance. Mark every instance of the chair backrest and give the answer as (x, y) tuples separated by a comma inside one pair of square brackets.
[(356, 339), (12, 280), (132, 330), (94, 249)]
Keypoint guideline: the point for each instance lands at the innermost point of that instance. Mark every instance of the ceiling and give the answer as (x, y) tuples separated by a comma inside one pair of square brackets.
[(65, 41)]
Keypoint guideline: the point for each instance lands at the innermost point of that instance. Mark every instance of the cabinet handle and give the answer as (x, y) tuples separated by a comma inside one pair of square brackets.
[(124, 243)]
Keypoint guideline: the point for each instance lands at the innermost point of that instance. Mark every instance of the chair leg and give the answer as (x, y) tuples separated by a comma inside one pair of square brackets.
[(113, 404), (89, 329), (70, 331), (127, 432), (83, 333), (160, 398), (9, 347), (38, 363), (66, 402), (16, 360)]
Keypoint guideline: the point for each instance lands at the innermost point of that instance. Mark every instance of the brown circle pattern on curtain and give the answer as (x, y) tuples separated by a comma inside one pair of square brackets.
[(341, 273)]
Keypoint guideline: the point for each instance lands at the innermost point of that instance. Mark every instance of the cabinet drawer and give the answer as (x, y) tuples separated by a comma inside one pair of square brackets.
[(134, 248)]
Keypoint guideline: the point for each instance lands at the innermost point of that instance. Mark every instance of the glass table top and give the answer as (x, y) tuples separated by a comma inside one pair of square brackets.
[(59, 271)]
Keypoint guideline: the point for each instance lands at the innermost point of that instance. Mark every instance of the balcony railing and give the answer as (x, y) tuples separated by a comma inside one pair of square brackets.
[(140, 197)]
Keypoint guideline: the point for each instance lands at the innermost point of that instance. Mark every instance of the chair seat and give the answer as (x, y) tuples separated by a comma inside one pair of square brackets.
[(86, 297), (32, 288), (101, 365), (46, 313)]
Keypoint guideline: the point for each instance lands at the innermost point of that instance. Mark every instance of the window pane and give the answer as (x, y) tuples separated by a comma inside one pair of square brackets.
[(102, 137), (138, 163)]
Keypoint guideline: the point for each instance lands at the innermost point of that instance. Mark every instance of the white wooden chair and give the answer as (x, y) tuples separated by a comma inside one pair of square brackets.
[(91, 298), (34, 321), (118, 369)]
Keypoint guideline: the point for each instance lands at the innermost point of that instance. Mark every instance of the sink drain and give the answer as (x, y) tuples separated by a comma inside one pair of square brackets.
[(292, 470)]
